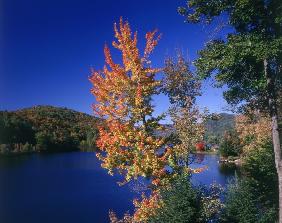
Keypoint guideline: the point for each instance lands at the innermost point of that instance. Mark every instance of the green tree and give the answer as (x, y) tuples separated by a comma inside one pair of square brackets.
[(185, 203), (180, 204), (259, 168), (230, 144), (182, 87), (240, 205), (90, 143), (243, 206), (249, 60)]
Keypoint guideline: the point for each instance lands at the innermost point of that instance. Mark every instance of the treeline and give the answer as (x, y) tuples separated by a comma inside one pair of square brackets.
[(46, 128)]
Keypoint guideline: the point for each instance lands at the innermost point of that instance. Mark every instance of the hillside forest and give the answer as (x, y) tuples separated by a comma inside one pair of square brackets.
[(46, 128)]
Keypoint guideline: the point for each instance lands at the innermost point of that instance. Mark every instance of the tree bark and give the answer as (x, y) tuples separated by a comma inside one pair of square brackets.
[(275, 130)]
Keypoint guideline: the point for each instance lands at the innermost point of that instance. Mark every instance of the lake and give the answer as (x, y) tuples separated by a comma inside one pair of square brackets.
[(72, 187)]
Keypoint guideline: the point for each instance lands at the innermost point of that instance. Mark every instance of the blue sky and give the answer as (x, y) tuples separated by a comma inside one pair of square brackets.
[(47, 48)]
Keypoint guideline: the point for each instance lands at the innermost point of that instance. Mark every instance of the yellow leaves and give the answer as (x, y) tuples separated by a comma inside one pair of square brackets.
[(123, 94), (189, 128), (128, 46), (253, 131), (130, 82), (199, 170), (146, 207)]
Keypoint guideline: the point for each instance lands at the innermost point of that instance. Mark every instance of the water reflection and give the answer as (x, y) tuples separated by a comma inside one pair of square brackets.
[(199, 158), (228, 169), (65, 187), (72, 187), (215, 172)]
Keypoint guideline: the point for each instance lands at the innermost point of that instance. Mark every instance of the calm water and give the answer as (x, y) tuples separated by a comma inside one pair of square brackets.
[(72, 187)]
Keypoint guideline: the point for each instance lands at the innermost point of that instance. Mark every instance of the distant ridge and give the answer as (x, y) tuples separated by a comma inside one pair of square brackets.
[(63, 117), (63, 128), (218, 127), (214, 128)]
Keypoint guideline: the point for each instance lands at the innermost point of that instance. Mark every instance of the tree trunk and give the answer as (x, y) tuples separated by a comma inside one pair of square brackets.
[(275, 130), (278, 162), (280, 193)]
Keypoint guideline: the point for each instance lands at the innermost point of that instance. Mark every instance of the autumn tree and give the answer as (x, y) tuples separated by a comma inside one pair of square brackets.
[(182, 87), (253, 131), (248, 60), (180, 83), (127, 140), (123, 98)]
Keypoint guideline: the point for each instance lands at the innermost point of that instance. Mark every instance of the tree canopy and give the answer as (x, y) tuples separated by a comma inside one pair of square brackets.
[(238, 60)]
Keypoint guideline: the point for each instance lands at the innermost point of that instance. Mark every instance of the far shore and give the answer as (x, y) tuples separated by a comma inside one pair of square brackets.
[(205, 152)]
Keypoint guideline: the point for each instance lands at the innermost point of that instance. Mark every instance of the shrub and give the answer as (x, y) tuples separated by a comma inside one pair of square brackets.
[(243, 206), (180, 204), (5, 148), (184, 203), (240, 206)]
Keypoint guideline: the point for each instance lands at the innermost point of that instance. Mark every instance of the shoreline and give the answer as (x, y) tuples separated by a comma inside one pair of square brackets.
[(205, 152)]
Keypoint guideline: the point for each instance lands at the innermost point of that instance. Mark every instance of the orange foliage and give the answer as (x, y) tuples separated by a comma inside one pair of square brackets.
[(123, 98), (123, 95), (146, 207), (253, 131)]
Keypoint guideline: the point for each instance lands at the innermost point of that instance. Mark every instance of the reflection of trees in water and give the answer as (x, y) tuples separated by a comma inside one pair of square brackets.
[(228, 168), (199, 158), (13, 160)]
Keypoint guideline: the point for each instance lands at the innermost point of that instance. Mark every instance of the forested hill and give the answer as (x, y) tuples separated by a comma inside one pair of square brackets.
[(216, 128), (46, 128), (51, 128), (62, 121)]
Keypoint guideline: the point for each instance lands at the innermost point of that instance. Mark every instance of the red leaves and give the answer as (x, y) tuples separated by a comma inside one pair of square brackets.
[(200, 146), (146, 207), (122, 93), (151, 42), (123, 98)]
